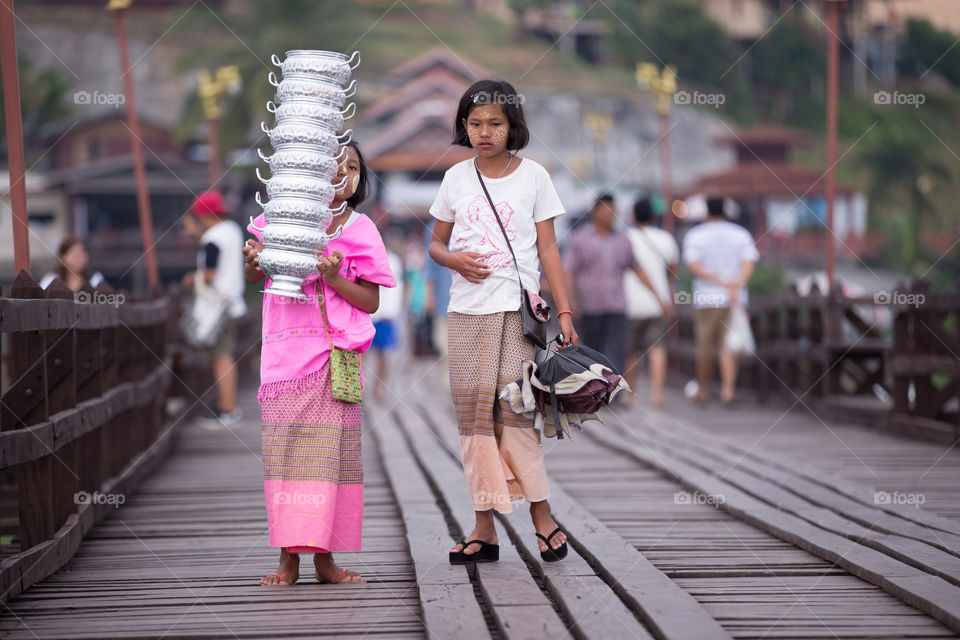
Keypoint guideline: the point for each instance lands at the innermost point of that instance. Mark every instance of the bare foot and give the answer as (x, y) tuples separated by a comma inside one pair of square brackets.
[(327, 571), (726, 396), (286, 574), (545, 524), (488, 535)]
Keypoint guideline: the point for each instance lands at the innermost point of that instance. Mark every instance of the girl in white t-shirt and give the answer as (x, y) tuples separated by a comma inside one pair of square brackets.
[(501, 452)]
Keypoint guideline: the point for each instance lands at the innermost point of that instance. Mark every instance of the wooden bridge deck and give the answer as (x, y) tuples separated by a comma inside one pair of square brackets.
[(796, 548)]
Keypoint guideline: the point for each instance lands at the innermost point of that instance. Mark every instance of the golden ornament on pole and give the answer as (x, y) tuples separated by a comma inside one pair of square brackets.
[(663, 84)]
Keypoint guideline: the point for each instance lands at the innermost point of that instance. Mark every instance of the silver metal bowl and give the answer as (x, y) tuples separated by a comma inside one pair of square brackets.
[(311, 88), (301, 184), (329, 64), (287, 269), (304, 134), (323, 114)]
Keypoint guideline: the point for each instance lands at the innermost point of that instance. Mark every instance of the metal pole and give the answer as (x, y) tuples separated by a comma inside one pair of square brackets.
[(833, 64), (136, 147), (666, 178), (11, 109), (213, 140)]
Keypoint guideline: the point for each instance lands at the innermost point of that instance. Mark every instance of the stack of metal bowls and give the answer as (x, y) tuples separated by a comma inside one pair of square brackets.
[(307, 140)]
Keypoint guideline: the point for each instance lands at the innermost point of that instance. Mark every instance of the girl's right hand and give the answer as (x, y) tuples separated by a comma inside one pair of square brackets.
[(251, 254), (467, 265)]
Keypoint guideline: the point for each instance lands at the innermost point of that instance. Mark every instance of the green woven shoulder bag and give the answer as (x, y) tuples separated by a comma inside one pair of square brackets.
[(344, 365)]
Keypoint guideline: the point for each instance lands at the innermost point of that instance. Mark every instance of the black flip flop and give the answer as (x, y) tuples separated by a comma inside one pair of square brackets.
[(487, 553), (551, 554)]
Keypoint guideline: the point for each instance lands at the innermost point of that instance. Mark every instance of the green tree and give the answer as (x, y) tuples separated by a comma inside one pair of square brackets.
[(43, 99), (926, 48), (785, 64), (904, 167)]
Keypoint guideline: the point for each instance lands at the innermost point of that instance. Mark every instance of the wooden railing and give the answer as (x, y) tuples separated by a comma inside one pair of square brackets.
[(889, 359), (85, 382)]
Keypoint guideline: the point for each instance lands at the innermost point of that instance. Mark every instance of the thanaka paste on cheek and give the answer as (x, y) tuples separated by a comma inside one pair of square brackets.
[(355, 182)]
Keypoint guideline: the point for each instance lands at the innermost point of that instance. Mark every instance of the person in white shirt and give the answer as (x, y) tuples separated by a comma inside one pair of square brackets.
[(721, 255), (501, 452), (73, 266), (220, 263), (385, 321), (658, 255)]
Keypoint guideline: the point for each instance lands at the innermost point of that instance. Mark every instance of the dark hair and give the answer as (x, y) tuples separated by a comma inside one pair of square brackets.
[(66, 244), (642, 211), (493, 92), (360, 194), (715, 207), (604, 198)]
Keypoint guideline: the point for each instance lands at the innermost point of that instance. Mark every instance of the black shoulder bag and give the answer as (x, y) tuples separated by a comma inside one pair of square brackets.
[(533, 310)]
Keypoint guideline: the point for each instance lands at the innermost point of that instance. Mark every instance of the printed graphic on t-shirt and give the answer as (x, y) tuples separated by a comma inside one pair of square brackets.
[(480, 222)]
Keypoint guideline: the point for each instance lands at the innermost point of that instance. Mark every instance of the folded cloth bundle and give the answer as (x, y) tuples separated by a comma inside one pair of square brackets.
[(575, 382)]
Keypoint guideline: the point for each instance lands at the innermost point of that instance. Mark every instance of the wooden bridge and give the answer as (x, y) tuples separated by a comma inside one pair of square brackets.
[(766, 519)]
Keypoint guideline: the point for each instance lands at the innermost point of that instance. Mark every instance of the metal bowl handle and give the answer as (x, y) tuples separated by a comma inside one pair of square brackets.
[(341, 208), (260, 177), (275, 59), (341, 184), (264, 128), (351, 89), (272, 108), (252, 224), (356, 54), (352, 108), (346, 135), (272, 79), (260, 202), (263, 157)]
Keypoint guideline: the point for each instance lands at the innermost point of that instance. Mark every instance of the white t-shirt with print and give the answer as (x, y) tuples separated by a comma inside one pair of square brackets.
[(523, 198), (654, 249)]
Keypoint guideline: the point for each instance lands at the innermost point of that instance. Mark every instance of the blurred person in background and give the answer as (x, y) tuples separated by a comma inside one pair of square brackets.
[(721, 256), (438, 299), (387, 324), (650, 311), (596, 258), (415, 280), (72, 266), (220, 263)]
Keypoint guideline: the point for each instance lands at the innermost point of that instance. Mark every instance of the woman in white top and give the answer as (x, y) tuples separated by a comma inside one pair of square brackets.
[(72, 266), (501, 452)]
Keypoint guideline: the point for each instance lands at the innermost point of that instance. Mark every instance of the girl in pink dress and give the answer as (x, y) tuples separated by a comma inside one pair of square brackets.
[(313, 478)]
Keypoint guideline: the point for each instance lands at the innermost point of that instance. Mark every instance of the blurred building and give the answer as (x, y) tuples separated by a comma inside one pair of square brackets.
[(784, 204)]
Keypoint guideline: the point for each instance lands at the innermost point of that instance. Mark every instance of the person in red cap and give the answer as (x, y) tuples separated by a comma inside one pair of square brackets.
[(220, 263)]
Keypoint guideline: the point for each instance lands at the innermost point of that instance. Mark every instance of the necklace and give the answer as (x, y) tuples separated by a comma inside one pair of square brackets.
[(509, 160)]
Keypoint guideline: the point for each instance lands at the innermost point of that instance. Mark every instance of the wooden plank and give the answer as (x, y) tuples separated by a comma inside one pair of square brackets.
[(450, 607), (932, 595), (667, 610), (520, 608)]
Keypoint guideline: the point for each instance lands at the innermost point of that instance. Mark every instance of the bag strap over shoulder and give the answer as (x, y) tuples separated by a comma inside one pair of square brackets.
[(496, 217)]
